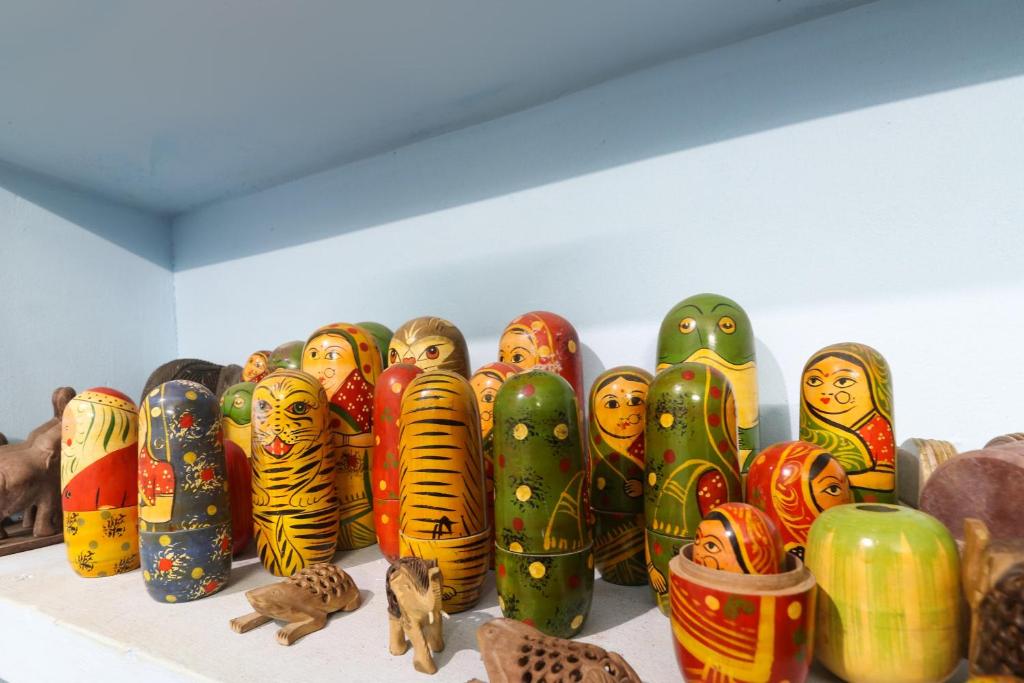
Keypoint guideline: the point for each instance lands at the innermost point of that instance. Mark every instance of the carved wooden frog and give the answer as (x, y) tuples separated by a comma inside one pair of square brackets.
[(303, 600)]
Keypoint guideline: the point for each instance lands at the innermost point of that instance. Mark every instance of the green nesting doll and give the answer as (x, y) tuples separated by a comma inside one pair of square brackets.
[(543, 551), (184, 514), (381, 339), (618, 405), (714, 330), (287, 356), (690, 461)]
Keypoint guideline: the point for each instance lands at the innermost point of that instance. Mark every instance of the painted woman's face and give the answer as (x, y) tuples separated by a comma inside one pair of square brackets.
[(830, 487), (518, 347), (837, 388), (255, 368), (330, 359), (711, 547), (620, 408), (485, 387), (428, 353)]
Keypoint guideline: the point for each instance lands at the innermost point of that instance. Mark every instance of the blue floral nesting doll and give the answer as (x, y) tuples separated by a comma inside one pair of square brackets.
[(184, 514)]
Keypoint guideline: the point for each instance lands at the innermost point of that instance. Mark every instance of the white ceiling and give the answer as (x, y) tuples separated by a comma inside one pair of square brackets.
[(172, 105)]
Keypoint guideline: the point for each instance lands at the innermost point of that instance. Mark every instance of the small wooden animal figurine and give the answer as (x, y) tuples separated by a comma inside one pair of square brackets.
[(690, 461), (381, 336), (345, 360), (986, 484), (618, 409), (916, 460), (236, 421), (846, 408), (544, 560), (715, 330), (485, 382), (744, 628), (99, 474), (513, 652), (544, 341), (184, 510), (213, 376), (387, 408), (294, 504), (443, 503), (414, 610), (257, 366), (303, 600), (793, 482), (430, 343), (287, 356), (888, 594), (739, 538), (30, 483), (993, 578)]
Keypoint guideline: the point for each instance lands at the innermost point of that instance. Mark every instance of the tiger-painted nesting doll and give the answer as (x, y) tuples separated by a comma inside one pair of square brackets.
[(387, 409), (184, 509), (443, 502), (690, 463), (345, 360), (846, 408), (381, 337), (739, 538), (98, 475), (544, 341), (287, 356), (430, 343), (544, 561), (257, 366), (714, 330), (793, 482), (485, 382), (236, 415), (294, 505), (618, 407)]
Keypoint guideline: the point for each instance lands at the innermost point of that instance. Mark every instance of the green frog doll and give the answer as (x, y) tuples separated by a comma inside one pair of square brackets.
[(544, 562)]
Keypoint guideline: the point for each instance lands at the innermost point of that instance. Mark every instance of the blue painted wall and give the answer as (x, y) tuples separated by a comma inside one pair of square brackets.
[(87, 296)]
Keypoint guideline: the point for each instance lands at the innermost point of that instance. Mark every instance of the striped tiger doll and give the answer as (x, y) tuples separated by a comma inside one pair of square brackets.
[(443, 508), (295, 507)]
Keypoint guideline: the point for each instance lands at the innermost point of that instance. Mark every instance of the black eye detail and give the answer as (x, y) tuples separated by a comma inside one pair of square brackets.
[(264, 406), (299, 408), (611, 404), (814, 382), (518, 358), (432, 352), (393, 355), (635, 401)]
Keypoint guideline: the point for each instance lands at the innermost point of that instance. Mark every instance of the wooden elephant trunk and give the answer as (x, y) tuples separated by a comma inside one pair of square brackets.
[(414, 610)]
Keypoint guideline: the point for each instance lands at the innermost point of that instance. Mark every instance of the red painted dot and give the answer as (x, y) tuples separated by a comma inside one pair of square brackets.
[(366, 368), (574, 581), (517, 523), (723, 446), (501, 570), (207, 474), (657, 548), (716, 392), (528, 622), (363, 346), (164, 565), (714, 420), (669, 456), (597, 438), (501, 460), (352, 330), (687, 375), (527, 391), (613, 457), (68, 442), (186, 420), (564, 465)]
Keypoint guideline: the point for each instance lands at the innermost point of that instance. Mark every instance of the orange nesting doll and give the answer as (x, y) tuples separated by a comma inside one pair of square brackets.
[(345, 360), (544, 341), (736, 537)]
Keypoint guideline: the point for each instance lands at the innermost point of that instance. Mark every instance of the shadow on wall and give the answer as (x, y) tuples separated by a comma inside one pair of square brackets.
[(152, 242), (871, 55)]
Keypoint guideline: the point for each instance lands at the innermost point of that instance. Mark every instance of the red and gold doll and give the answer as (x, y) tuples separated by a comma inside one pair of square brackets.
[(544, 341), (736, 537), (257, 366)]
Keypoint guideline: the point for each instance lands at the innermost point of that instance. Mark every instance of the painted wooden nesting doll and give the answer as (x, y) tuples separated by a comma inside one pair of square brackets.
[(544, 560), (430, 343), (381, 337), (690, 463), (544, 341), (742, 628), (236, 414), (257, 366), (739, 538), (793, 482), (888, 594), (485, 382), (98, 474), (846, 408), (443, 502), (287, 356), (345, 360), (618, 409), (184, 509), (294, 504), (387, 409), (715, 330)]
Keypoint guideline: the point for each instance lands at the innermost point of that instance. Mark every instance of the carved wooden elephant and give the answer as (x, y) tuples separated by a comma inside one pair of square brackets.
[(414, 610), (30, 474)]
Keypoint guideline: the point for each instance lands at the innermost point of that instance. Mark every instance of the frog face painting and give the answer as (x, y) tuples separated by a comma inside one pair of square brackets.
[(256, 367), (431, 344), (544, 341), (715, 330), (739, 538), (846, 408)]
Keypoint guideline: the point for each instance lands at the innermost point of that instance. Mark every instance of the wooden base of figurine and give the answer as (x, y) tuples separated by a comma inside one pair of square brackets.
[(20, 538)]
